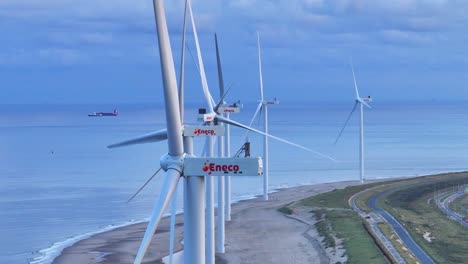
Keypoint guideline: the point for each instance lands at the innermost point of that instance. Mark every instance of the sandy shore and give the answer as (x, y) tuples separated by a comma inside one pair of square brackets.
[(258, 233)]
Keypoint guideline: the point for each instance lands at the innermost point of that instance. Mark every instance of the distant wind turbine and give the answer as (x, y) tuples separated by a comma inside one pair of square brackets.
[(263, 106), (361, 102)]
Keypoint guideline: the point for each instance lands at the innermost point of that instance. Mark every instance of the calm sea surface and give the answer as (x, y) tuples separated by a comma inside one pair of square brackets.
[(59, 183)]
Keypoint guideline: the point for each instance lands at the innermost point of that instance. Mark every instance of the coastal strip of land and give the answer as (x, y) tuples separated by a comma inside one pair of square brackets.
[(258, 233), (313, 224)]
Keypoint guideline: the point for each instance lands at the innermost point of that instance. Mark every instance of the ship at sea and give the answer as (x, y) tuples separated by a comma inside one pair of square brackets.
[(115, 113)]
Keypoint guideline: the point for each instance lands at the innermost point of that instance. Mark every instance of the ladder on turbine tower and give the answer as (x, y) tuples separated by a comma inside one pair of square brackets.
[(245, 149)]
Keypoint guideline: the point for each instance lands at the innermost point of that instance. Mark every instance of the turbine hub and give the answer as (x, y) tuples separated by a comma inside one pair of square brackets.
[(172, 162)]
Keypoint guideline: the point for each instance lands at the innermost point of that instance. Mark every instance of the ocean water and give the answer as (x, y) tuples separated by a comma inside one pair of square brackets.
[(59, 183)]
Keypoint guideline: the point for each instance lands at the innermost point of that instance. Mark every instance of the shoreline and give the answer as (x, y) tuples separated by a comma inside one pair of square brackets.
[(120, 244), (49, 254)]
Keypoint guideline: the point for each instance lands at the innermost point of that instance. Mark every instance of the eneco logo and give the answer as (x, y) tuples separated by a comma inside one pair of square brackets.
[(228, 110), (200, 132), (212, 167)]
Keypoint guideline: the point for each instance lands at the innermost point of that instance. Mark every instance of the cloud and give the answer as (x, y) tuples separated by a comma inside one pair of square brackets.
[(45, 56), (339, 16), (122, 26)]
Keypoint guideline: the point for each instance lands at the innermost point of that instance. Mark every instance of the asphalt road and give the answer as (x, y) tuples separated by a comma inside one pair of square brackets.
[(444, 206), (373, 221), (400, 230)]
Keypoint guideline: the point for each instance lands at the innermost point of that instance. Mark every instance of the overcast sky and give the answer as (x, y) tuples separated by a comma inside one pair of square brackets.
[(93, 51)]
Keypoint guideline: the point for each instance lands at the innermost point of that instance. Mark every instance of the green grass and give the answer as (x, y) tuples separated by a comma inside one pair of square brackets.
[(409, 205), (408, 202), (337, 198), (390, 234), (460, 205), (285, 210), (348, 226), (324, 229)]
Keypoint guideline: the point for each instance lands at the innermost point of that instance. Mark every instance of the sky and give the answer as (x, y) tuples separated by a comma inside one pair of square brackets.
[(105, 51)]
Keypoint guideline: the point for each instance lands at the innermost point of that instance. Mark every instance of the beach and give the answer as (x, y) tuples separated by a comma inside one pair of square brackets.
[(258, 233)]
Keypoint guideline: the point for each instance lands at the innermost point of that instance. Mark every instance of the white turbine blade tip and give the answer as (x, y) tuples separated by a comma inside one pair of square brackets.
[(354, 79), (206, 91), (259, 107), (234, 123), (147, 138), (170, 185)]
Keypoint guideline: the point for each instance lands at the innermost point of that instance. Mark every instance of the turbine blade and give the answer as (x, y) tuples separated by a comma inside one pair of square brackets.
[(205, 148), (172, 228), (206, 90), (169, 187), (220, 70), (363, 102), (213, 102), (259, 117), (260, 66), (259, 108), (182, 67), (144, 185), (156, 136), (354, 78), (346, 122), (171, 106), (234, 123)]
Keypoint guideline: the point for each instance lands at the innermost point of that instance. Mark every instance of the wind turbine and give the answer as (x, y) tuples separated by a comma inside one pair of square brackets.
[(181, 109), (263, 106), (173, 162), (361, 102)]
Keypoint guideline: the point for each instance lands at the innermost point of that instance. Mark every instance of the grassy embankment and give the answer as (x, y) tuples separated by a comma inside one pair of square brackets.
[(339, 199), (341, 222), (460, 205), (412, 204)]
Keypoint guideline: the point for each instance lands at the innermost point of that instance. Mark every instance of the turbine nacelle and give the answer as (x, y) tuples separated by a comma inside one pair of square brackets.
[(364, 101), (230, 108), (203, 116), (270, 102), (223, 166)]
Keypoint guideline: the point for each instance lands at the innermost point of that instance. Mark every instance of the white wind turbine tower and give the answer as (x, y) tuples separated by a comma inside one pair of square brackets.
[(263, 106), (224, 187), (221, 179), (361, 102)]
